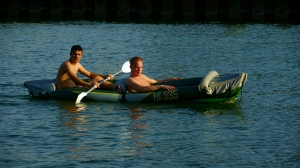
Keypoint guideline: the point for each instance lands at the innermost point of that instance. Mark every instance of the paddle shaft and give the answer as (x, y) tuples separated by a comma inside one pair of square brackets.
[(125, 68), (95, 86)]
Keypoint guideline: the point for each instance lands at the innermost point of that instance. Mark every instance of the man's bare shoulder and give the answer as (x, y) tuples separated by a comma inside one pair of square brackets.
[(68, 64), (65, 63), (130, 80), (138, 81), (136, 78)]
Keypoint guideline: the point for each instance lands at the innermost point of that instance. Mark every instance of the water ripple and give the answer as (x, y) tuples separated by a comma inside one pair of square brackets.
[(262, 129)]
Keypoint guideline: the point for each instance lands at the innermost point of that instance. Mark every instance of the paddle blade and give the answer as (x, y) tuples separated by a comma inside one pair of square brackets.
[(80, 96), (126, 67)]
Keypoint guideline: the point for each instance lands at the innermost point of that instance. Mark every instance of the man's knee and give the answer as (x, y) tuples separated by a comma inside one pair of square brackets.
[(97, 79)]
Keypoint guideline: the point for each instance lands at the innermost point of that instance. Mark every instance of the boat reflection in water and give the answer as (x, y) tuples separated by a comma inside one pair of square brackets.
[(127, 131), (74, 126), (72, 118), (137, 129), (213, 109)]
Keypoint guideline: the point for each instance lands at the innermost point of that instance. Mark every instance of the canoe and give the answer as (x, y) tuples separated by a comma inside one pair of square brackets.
[(211, 88)]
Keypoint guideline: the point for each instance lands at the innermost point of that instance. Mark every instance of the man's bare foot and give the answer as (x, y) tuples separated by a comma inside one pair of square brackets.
[(118, 88)]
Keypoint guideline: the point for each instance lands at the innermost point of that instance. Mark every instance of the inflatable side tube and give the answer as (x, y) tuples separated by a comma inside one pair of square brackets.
[(40, 88), (203, 86)]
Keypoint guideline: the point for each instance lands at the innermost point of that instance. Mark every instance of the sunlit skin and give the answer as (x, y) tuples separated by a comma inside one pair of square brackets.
[(67, 75), (75, 57), (138, 82), (137, 68)]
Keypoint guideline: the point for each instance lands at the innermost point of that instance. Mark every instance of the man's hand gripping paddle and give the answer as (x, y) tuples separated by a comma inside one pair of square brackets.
[(125, 69)]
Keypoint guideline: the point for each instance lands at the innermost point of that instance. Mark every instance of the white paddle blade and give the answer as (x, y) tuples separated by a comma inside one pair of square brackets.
[(80, 96), (126, 67)]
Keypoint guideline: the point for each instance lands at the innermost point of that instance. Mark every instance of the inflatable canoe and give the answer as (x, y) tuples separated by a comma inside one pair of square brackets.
[(208, 89)]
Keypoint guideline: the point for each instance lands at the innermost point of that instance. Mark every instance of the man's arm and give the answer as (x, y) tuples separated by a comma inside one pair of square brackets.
[(72, 74), (152, 81), (91, 75), (149, 80), (133, 85), (168, 79), (103, 76)]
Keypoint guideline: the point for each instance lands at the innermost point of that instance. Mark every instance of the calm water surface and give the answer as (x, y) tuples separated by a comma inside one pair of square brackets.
[(260, 131)]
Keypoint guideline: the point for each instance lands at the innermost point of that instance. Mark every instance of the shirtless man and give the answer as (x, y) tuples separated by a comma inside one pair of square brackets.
[(67, 78), (138, 82)]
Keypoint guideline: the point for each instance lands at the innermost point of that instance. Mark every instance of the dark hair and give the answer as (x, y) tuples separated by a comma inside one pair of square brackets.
[(76, 48), (135, 58)]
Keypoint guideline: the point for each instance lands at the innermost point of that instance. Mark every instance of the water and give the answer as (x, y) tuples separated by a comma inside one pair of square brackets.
[(260, 131)]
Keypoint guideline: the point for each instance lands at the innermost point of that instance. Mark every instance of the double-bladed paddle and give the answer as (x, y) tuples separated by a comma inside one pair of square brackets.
[(125, 69)]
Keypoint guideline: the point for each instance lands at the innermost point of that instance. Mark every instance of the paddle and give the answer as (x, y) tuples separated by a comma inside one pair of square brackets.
[(125, 69)]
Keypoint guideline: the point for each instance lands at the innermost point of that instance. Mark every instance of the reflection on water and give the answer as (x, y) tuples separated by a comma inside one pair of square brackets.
[(135, 112), (72, 118), (214, 109), (76, 124), (138, 126), (74, 107), (173, 115), (260, 130), (99, 127)]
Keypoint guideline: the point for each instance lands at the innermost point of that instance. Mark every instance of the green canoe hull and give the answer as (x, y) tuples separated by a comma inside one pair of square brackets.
[(223, 88), (185, 91)]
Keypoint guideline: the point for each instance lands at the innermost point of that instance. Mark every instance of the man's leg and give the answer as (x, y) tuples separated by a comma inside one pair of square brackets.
[(107, 85)]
